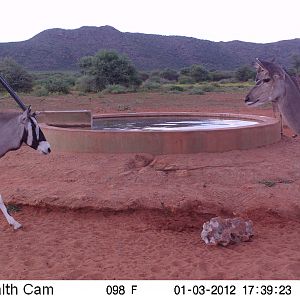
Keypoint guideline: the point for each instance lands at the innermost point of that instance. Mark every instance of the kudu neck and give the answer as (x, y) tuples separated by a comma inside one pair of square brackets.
[(289, 104)]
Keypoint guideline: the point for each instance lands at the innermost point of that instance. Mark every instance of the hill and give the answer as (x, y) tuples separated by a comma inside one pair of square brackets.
[(60, 49)]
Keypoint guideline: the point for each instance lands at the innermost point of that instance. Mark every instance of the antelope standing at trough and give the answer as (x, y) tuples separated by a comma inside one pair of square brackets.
[(16, 129), (274, 84)]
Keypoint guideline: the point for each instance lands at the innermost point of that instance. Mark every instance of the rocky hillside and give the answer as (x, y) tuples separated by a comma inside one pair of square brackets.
[(60, 49)]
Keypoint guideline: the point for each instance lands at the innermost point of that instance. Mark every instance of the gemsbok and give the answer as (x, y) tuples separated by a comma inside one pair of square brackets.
[(16, 129), (273, 84)]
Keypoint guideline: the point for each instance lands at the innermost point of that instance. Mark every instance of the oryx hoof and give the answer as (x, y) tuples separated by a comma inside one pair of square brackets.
[(16, 225)]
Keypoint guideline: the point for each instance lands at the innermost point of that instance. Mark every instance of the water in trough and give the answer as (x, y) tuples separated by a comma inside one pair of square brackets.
[(167, 124)]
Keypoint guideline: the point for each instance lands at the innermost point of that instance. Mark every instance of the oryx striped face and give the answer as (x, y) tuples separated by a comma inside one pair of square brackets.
[(34, 137)]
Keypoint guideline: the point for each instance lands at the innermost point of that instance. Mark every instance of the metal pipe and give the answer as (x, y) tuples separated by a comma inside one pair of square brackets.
[(12, 93)]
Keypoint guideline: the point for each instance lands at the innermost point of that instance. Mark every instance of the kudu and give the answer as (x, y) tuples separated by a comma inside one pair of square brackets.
[(275, 85)]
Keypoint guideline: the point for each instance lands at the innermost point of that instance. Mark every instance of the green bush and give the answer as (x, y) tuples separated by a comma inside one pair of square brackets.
[(245, 73), (199, 73), (57, 85), (209, 87), (40, 91), (176, 88), (19, 79), (150, 85), (107, 68), (115, 89), (143, 76), (185, 71), (227, 81), (169, 74), (196, 91), (154, 73), (221, 75), (86, 84), (154, 78), (185, 79), (60, 83)]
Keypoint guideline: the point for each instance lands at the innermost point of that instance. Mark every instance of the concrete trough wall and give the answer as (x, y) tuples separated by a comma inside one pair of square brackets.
[(163, 142), (72, 118)]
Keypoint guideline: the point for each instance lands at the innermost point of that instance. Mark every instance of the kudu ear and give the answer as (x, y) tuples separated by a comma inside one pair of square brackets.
[(259, 65), (270, 69)]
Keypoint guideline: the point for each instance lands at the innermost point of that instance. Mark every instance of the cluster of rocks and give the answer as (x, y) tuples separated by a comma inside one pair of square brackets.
[(219, 231)]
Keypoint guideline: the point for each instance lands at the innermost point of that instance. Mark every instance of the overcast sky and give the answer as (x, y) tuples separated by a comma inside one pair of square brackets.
[(260, 21)]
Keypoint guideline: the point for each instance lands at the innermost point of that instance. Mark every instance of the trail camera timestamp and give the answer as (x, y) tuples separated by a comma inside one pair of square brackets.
[(204, 290), (234, 290), (267, 289)]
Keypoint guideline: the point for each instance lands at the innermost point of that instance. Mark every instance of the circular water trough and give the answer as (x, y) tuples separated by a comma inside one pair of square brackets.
[(65, 134)]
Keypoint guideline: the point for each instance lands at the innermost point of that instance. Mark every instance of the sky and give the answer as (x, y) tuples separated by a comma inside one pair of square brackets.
[(259, 21)]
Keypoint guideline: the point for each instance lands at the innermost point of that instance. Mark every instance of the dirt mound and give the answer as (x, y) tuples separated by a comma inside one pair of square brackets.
[(139, 161)]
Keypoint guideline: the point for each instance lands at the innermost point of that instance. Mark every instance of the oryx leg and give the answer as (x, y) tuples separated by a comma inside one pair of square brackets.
[(11, 221)]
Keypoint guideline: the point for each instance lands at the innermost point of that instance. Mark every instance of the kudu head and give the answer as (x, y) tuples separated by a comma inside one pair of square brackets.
[(32, 134), (269, 84)]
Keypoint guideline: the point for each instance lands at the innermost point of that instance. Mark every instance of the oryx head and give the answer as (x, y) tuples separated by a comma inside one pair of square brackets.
[(33, 135), (269, 84)]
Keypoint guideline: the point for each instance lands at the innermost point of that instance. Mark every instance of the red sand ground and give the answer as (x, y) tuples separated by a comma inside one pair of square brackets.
[(133, 216)]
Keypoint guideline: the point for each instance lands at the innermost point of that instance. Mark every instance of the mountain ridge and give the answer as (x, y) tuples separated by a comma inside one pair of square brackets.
[(61, 49)]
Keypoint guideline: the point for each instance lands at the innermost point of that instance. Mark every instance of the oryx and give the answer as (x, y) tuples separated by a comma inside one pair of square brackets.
[(16, 129), (274, 84)]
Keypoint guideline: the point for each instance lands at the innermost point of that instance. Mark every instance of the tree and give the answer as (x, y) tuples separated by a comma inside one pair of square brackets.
[(19, 79), (85, 64), (107, 68), (169, 74), (199, 73), (244, 73), (185, 72)]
